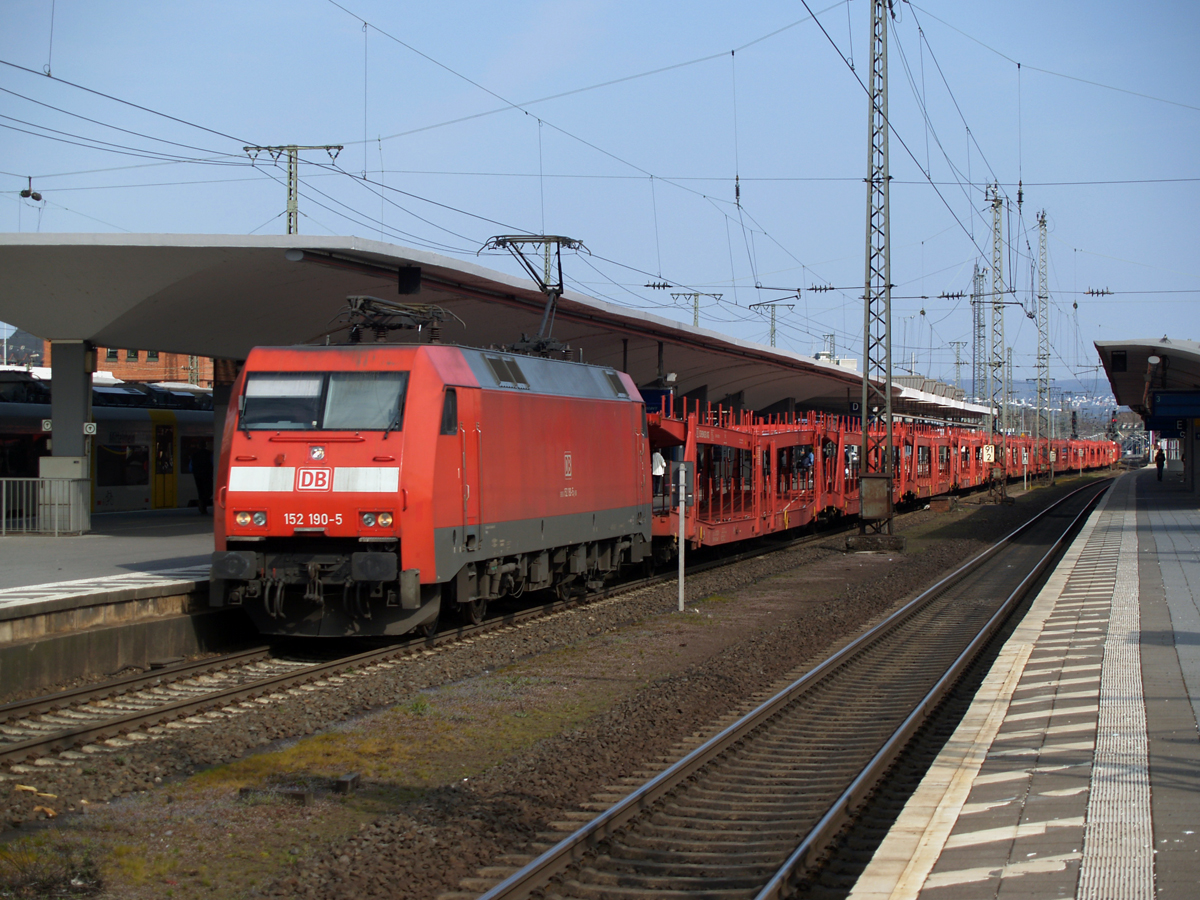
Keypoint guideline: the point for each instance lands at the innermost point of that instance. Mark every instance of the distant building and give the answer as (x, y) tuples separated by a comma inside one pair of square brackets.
[(151, 366)]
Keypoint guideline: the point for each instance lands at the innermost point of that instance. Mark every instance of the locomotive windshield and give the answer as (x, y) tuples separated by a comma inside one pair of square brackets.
[(333, 401)]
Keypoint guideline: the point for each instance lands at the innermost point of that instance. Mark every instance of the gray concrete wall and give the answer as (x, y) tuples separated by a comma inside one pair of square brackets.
[(61, 658)]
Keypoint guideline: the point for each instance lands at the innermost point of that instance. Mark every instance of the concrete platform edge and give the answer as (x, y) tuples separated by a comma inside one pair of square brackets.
[(104, 597), (907, 855), (99, 651)]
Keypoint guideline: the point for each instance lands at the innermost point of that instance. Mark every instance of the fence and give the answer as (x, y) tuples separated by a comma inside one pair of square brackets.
[(45, 506)]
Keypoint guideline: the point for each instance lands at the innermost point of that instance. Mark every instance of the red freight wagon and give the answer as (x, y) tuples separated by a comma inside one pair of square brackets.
[(364, 488)]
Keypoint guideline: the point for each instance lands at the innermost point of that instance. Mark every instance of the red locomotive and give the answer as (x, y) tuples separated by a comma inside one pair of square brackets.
[(365, 489)]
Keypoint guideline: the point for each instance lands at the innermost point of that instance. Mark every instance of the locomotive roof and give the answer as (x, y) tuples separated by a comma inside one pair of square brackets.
[(499, 369), (561, 378)]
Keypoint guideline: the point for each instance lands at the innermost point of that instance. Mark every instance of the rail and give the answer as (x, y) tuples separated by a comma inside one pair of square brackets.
[(572, 850), (101, 727), (45, 506)]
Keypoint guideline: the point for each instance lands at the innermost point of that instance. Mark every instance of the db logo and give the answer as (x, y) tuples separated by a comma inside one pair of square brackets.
[(567, 464), (314, 479)]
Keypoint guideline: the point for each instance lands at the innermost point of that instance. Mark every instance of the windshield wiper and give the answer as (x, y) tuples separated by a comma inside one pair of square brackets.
[(395, 423)]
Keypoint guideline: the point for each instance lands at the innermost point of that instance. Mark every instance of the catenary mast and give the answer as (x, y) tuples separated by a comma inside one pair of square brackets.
[(876, 460), (1043, 357)]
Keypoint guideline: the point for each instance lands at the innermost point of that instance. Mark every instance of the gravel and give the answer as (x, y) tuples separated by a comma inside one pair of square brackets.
[(422, 847)]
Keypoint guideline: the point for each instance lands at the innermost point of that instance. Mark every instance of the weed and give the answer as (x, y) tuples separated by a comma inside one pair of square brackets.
[(418, 707), (42, 867)]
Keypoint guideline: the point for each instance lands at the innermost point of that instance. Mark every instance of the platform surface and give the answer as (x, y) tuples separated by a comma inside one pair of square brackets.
[(1076, 771), (119, 544)]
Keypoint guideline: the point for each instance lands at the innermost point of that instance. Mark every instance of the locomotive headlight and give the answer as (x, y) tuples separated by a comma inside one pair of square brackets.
[(242, 518), (368, 519), (260, 519), (385, 519)]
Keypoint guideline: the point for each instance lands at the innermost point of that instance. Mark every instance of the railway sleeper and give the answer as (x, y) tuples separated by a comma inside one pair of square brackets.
[(728, 877), (704, 823), (578, 890), (704, 855), (733, 811), (703, 833)]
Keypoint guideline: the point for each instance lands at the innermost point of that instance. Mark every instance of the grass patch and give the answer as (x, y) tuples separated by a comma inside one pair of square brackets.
[(197, 839), (437, 737), (47, 866)]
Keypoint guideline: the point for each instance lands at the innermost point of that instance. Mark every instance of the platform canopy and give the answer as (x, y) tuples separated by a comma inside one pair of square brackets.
[(220, 295), (1155, 377)]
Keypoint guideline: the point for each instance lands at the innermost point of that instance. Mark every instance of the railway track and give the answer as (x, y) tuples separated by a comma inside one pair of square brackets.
[(747, 813), (65, 727), (85, 718)]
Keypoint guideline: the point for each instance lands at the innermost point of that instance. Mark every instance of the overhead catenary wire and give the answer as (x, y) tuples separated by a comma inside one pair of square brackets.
[(891, 127), (521, 105), (148, 137), (753, 249), (128, 103), (1098, 84), (357, 219)]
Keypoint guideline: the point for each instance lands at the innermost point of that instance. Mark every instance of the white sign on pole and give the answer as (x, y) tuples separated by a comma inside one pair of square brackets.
[(682, 520)]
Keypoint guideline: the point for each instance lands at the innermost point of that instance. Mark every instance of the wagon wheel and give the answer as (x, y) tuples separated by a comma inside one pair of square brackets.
[(473, 612), (428, 629)]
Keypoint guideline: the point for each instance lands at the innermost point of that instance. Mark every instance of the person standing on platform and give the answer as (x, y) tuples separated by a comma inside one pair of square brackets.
[(202, 471), (1160, 459), (658, 467)]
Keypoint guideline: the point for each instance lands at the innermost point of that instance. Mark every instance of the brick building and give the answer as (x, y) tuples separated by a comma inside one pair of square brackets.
[(150, 365)]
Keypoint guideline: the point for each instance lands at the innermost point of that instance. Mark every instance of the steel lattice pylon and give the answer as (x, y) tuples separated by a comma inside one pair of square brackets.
[(1043, 358), (996, 380), (876, 450), (979, 379)]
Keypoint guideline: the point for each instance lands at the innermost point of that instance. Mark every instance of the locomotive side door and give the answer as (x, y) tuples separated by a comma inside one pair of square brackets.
[(470, 436)]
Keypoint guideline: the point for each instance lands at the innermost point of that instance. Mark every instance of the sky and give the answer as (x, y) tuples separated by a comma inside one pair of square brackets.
[(718, 148)]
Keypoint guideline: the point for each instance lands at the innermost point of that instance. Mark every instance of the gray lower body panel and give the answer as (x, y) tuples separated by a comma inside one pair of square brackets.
[(523, 536)]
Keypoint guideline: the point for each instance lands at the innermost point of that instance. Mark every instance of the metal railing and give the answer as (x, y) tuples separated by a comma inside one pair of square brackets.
[(45, 506)]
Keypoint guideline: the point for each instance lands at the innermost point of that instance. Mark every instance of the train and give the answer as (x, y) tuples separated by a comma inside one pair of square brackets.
[(146, 436), (371, 489)]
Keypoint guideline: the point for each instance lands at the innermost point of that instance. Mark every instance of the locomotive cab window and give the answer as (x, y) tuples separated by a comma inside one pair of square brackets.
[(332, 401), (367, 401)]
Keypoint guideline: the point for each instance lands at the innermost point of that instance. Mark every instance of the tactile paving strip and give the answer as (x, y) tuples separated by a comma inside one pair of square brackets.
[(1005, 810), (1118, 847)]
